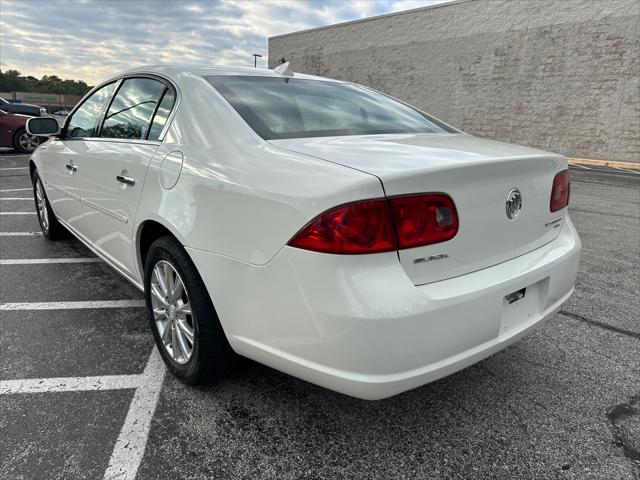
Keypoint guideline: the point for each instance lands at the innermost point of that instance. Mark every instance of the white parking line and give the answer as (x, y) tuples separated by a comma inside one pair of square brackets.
[(132, 441), (16, 198), (13, 168), (16, 190), (129, 449), (69, 384), (130, 446), (71, 305), (627, 170), (33, 261), (579, 166), (20, 234), (17, 213), (24, 155)]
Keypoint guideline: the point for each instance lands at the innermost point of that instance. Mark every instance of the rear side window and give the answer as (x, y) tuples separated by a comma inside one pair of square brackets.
[(161, 116), (132, 109), (84, 121)]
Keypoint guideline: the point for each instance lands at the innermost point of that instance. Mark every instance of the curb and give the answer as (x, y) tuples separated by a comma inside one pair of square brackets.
[(605, 163)]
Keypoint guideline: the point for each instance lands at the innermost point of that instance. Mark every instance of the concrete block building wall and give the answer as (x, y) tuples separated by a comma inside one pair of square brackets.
[(562, 75)]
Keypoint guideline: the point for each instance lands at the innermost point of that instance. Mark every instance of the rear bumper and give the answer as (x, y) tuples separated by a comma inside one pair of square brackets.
[(357, 325)]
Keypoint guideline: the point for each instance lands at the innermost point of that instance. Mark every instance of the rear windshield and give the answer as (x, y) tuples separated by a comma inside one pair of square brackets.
[(297, 108)]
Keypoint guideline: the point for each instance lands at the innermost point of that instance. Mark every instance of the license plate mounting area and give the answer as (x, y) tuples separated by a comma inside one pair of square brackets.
[(522, 307)]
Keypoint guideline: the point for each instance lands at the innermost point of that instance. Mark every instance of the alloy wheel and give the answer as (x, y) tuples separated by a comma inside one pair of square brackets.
[(27, 142), (172, 312), (41, 202)]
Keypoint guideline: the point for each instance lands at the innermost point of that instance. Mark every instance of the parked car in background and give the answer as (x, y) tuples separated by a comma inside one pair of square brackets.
[(13, 133), (317, 226), (22, 108)]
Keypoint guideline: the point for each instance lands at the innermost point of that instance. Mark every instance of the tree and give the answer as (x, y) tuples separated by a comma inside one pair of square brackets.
[(12, 80)]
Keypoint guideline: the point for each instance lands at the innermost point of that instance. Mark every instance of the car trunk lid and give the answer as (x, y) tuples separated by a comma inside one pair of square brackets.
[(478, 174)]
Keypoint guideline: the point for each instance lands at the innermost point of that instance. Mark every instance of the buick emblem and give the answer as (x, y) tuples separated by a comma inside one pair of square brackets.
[(514, 203)]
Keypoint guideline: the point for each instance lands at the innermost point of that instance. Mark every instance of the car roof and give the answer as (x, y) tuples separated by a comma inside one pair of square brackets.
[(173, 71)]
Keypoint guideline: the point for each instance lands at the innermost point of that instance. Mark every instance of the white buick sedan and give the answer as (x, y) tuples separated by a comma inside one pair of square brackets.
[(316, 226)]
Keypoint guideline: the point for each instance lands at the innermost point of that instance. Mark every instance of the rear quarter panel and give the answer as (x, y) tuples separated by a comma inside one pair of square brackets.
[(237, 195)]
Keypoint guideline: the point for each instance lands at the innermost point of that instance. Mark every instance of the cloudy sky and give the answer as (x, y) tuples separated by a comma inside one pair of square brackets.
[(91, 39)]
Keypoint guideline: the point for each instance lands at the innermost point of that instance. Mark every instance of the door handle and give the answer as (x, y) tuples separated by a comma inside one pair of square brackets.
[(126, 179), (71, 167)]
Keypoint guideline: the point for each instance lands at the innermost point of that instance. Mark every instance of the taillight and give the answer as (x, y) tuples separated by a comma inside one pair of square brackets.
[(360, 227), (374, 226), (560, 191), (423, 219)]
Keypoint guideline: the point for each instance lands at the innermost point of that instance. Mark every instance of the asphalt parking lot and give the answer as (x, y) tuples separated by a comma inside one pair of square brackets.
[(83, 394)]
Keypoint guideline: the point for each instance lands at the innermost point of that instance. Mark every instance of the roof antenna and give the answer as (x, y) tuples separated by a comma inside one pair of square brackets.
[(284, 69)]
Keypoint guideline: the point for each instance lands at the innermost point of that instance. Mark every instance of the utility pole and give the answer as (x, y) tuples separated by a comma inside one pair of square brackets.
[(255, 59)]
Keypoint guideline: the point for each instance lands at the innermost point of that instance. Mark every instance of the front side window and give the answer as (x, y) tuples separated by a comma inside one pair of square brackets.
[(132, 109), (84, 121), (296, 108)]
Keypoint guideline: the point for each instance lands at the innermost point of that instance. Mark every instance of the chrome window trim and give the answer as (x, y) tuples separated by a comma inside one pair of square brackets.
[(120, 78)]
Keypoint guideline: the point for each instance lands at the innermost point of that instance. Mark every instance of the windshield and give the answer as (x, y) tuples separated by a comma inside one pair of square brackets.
[(296, 108)]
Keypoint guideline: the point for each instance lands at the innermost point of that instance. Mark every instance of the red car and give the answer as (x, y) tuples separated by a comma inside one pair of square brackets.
[(13, 133)]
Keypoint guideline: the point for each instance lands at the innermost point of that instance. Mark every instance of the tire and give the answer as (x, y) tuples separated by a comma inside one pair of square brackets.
[(25, 143), (51, 228), (211, 358)]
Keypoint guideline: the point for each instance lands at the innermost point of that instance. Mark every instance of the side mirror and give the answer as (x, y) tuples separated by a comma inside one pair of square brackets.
[(42, 126)]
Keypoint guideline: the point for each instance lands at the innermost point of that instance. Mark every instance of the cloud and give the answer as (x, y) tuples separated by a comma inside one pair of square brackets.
[(93, 39)]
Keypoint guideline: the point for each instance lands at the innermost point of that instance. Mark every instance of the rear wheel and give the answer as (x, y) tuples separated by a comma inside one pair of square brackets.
[(51, 228), (25, 143), (184, 322)]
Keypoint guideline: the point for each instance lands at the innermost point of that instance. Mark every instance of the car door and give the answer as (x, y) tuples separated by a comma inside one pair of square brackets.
[(117, 167), (6, 129), (65, 157)]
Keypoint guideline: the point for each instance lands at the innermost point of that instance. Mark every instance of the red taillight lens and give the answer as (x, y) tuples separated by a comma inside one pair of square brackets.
[(360, 227), (423, 219), (368, 226), (560, 191)]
